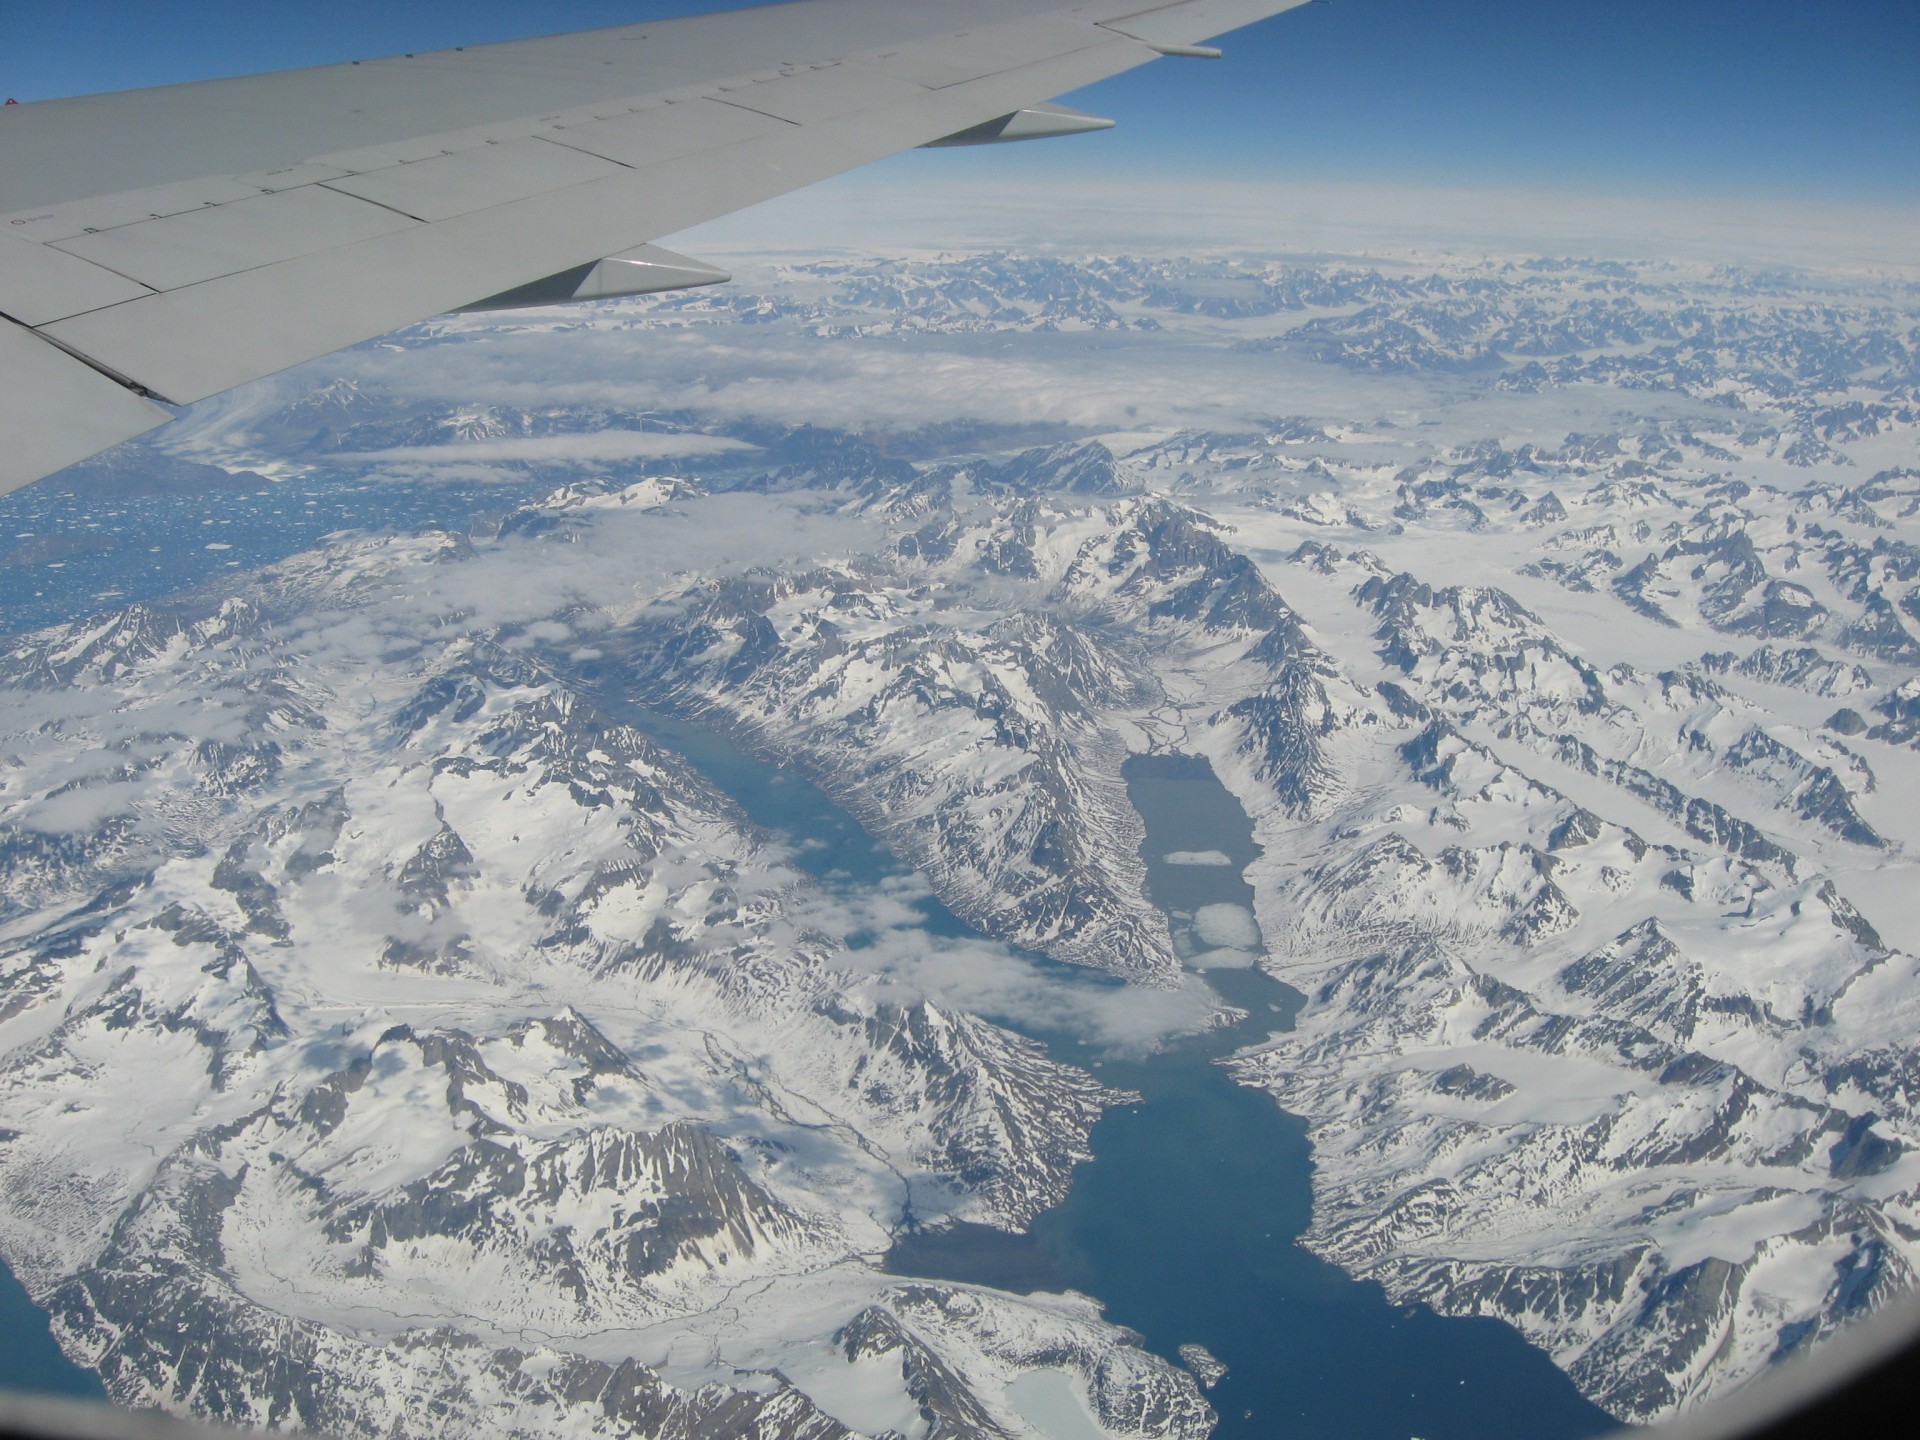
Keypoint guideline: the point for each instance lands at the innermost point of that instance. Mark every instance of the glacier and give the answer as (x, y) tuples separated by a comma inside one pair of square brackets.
[(396, 1036)]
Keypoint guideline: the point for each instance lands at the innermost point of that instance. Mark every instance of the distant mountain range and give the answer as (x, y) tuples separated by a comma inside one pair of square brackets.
[(395, 1038)]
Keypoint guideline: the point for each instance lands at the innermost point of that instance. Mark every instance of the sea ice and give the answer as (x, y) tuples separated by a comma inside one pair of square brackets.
[(1229, 926), (1197, 857)]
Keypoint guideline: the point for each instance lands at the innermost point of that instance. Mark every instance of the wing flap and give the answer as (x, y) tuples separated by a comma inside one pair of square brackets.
[(39, 284), (291, 177), (368, 159), (367, 196), (197, 341), (55, 411), (810, 96), (221, 240), (448, 185), (668, 131), (109, 212)]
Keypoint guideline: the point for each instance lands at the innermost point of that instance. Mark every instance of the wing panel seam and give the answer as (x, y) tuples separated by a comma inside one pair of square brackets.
[(126, 382), (346, 194), (152, 290), (742, 105)]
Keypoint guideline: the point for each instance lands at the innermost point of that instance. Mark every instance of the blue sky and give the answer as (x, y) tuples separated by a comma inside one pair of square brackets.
[(1660, 97)]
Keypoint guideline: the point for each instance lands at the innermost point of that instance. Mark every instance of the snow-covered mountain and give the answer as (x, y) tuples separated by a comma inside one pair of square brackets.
[(376, 994), (383, 1035)]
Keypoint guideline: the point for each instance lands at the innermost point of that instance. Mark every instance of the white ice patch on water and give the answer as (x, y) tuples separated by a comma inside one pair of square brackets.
[(1225, 958), (1230, 926), (1045, 1399), (1197, 857)]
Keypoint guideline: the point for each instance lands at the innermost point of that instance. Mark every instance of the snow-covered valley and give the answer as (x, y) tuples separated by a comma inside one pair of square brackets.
[(397, 1038)]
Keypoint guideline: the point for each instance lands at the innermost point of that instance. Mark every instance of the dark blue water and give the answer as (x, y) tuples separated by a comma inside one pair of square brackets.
[(824, 841), (1184, 1224), (1194, 816), (29, 1359)]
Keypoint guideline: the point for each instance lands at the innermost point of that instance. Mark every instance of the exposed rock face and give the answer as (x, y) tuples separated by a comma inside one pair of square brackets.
[(373, 997), (476, 1013)]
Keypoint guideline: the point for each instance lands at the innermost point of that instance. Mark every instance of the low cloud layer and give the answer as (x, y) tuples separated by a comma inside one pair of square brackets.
[(907, 962), (559, 449), (913, 203)]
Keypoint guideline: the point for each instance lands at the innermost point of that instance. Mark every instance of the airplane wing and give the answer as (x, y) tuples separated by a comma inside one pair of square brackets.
[(163, 245)]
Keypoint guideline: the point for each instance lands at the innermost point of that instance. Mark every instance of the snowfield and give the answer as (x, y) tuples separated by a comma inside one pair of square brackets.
[(395, 1038)]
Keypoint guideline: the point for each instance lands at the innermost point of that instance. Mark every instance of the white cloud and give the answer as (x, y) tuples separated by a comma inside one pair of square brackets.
[(83, 809), (592, 445), (905, 962), (786, 374), (911, 205)]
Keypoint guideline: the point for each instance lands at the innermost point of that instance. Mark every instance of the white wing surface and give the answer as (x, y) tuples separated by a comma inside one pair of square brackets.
[(163, 245)]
